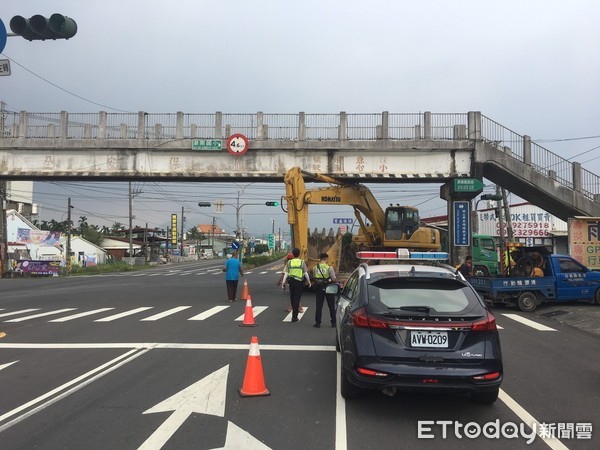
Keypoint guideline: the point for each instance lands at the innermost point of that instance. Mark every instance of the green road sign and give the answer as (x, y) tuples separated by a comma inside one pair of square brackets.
[(206, 144), (271, 240), (467, 185)]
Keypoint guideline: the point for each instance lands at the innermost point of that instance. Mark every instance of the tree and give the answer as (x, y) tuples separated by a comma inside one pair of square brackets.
[(116, 227), (195, 233)]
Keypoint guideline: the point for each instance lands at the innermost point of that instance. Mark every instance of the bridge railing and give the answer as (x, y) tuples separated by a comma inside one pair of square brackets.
[(301, 127)]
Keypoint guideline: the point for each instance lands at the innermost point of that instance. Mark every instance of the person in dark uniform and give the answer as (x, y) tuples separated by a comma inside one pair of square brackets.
[(295, 275), (324, 274), (466, 268)]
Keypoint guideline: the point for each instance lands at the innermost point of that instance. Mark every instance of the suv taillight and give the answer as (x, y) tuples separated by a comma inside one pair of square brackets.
[(486, 324), (361, 319)]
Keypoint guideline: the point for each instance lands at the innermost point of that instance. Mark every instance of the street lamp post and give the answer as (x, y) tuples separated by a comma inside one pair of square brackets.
[(68, 250)]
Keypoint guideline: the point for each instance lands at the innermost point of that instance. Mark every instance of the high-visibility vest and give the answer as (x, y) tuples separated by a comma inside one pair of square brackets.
[(321, 272), (295, 269)]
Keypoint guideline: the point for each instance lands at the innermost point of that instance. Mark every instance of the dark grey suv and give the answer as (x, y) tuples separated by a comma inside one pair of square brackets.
[(416, 327)]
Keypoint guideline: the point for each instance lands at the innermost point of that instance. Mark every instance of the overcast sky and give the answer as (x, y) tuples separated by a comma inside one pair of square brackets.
[(531, 66)]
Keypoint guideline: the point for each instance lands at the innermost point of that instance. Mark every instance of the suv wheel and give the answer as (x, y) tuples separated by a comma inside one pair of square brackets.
[(486, 398), (348, 390)]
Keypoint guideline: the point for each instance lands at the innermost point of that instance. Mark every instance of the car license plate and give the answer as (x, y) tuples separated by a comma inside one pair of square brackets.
[(437, 339)]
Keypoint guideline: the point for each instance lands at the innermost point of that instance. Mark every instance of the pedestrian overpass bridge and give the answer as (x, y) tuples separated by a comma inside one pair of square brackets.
[(371, 148)]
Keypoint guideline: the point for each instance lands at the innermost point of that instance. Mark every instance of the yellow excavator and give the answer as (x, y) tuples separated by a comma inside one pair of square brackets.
[(397, 226)]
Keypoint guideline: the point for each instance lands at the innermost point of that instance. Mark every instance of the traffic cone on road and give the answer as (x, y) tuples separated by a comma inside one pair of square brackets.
[(254, 379), (248, 315), (245, 291)]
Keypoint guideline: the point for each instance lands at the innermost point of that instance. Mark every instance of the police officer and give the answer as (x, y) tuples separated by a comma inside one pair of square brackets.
[(324, 274), (295, 274)]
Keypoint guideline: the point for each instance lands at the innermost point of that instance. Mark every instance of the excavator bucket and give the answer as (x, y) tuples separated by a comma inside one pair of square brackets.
[(322, 242)]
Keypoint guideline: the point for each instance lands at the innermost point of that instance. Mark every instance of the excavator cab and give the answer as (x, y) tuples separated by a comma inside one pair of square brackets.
[(400, 222)]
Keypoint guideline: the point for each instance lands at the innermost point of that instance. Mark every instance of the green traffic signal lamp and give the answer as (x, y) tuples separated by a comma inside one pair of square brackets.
[(272, 203), (40, 28)]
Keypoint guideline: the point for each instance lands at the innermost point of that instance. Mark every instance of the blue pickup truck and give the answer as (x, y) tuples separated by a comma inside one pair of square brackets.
[(564, 280)]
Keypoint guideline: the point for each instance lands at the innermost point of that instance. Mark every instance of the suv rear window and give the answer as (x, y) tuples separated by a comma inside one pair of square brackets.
[(441, 295)]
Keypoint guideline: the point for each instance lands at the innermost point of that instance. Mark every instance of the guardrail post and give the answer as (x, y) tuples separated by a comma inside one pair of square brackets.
[(418, 135), (427, 124), (343, 127), (260, 132), (102, 125), (577, 177), (474, 125), (64, 124), (218, 125), (385, 125), (193, 130), (141, 128), (23, 124), (179, 126), (301, 126), (527, 150)]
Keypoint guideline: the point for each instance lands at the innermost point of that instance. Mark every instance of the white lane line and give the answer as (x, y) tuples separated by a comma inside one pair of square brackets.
[(185, 273), (529, 420), (262, 273), (499, 327), (35, 316), (22, 311), (210, 312), (166, 313), (139, 274), (528, 322), (154, 274), (256, 310), (173, 345), (288, 318), (123, 314), (341, 441), (83, 314), (95, 374)]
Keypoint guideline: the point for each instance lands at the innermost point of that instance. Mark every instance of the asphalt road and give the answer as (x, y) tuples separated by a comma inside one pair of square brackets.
[(155, 359)]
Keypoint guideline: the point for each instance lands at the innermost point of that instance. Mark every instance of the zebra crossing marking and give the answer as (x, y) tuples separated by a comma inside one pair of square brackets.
[(165, 313), (123, 314), (83, 314), (35, 316)]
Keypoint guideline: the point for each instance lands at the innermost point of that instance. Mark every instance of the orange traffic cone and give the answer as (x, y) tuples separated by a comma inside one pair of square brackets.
[(254, 379), (245, 291), (248, 314)]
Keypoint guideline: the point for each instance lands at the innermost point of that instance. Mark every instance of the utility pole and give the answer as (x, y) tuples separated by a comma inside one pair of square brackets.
[(509, 228), (212, 245), (68, 252), (3, 231), (182, 220), (501, 239), (130, 226)]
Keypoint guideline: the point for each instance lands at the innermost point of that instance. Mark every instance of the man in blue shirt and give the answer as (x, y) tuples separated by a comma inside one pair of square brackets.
[(233, 270)]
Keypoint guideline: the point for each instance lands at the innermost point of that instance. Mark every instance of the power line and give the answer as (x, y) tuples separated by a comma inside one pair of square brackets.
[(63, 89)]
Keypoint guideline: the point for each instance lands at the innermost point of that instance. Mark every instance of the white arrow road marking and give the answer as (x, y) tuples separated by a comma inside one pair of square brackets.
[(4, 366), (238, 438), (256, 310), (206, 396)]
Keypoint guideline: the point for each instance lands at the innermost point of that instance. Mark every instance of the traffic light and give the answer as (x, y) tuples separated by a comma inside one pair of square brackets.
[(204, 204), (491, 197), (272, 203), (40, 28)]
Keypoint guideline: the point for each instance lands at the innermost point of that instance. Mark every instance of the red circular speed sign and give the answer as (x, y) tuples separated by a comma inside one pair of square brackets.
[(237, 144)]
